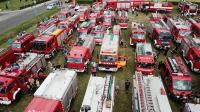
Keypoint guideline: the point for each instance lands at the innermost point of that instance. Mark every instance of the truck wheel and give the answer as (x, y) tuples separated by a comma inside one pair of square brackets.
[(191, 67), (18, 96)]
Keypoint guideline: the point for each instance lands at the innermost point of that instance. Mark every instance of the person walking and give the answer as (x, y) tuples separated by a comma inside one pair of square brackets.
[(126, 59), (127, 85)]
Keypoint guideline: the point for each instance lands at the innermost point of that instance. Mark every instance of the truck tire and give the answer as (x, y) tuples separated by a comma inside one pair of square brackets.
[(18, 96), (191, 67)]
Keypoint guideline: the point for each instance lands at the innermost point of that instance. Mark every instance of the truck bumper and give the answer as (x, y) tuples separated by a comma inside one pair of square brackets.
[(5, 102), (108, 69)]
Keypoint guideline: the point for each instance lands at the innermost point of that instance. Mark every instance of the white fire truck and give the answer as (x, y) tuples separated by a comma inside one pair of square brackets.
[(55, 93), (149, 94), (99, 96), (109, 54)]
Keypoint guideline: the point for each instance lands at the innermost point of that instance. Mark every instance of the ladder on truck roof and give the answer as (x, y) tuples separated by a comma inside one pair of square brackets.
[(4, 50), (106, 92)]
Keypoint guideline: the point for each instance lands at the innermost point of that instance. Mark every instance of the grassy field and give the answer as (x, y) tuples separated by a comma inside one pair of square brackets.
[(122, 100), (14, 4)]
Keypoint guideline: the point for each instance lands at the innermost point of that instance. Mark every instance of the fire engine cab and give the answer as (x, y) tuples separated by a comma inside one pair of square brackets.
[(65, 13), (98, 8), (145, 58), (195, 26), (109, 54), (149, 94), (80, 55), (190, 48), (108, 16), (49, 41), (188, 8), (176, 77), (84, 28), (55, 93), (23, 43), (179, 28), (7, 56), (138, 33), (99, 96), (122, 19), (66, 25), (160, 33), (13, 76), (98, 32)]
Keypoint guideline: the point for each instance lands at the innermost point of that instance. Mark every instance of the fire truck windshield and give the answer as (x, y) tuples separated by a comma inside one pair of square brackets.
[(6, 89), (108, 58), (74, 60), (165, 36), (39, 45), (193, 7), (107, 20), (62, 26), (99, 35), (184, 33), (123, 20), (182, 85), (145, 65), (138, 35), (16, 45)]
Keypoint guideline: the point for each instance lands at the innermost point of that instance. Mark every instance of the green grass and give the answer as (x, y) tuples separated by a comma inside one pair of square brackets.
[(14, 4), (28, 25), (122, 100)]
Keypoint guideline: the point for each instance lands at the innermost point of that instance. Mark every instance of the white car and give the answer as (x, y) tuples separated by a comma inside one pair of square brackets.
[(51, 6)]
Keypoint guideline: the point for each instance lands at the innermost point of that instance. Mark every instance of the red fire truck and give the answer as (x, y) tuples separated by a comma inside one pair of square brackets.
[(98, 32), (190, 48), (195, 26), (83, 12), (43, 25), (84, 28), (117, 30), (179, 28), (122, 19), (188, 8), (149, 94), (7, 56), (13, 77), (176, 77), (138, 33), (158, 6), (56, 92), (93, 18), (119, 4), (98, 8), (100, 95), (109, 54), (160, 34), (49, 42), (65, 13), (23, 43), (75, 20), (145, 58), (80, 55), (66, 25)]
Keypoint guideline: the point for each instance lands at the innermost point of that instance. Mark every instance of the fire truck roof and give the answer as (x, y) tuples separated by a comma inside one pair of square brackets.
[(3, 51), (150, 94), (193, 107), (177, 66), (96, 89), (44, 38), (99, 28), (77, 52), (179, 23), (73, 18), (23, 38), (110, 44), (34, 105), (93, 15), (56, 85), (5, 81), (144, 49)]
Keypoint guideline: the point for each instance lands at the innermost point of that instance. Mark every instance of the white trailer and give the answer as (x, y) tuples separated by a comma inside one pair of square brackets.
[(55, 93), (99, 96), (149, 94)]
